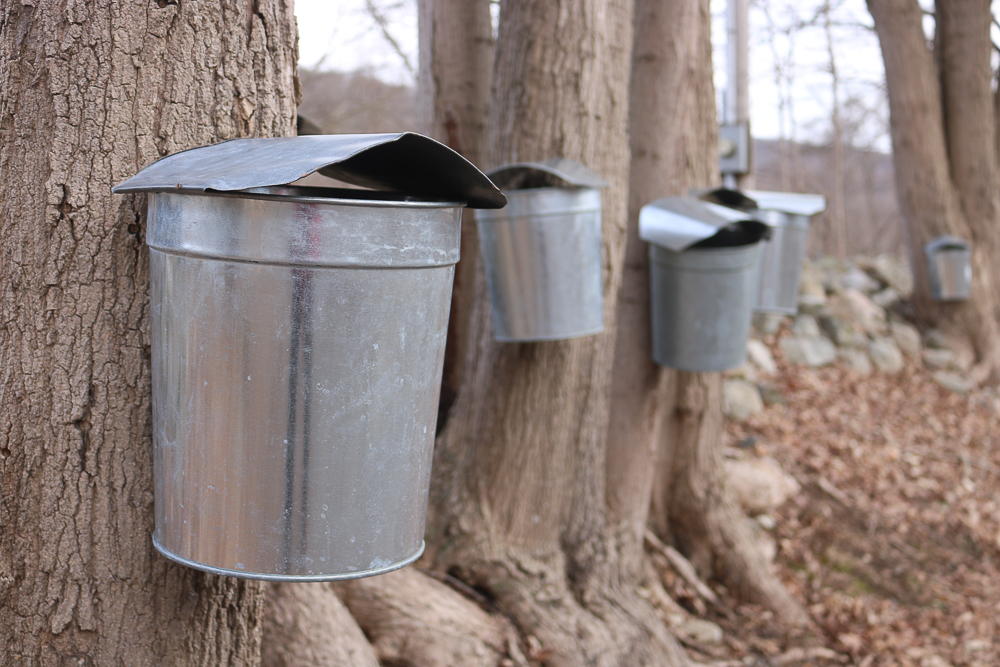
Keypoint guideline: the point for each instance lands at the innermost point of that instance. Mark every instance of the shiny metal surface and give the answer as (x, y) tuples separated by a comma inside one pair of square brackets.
[(701, 305), (949, 267), (678, 223), (297, 353), (543, 263), (405, 162), (781, 262)]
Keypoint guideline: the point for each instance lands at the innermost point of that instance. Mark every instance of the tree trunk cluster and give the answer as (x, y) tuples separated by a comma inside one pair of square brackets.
[(943, 117), (553, 458)]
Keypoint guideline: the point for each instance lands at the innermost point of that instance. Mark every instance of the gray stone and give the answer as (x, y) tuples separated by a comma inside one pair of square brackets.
[(886, 356), (767, 323), (741, 399), (805, 326), (907, 338), (894, 272), (766, 521), (700, 631), (887, 297), (761, 357), (933, 338), (814, 352), (938, 358), (859, 312), (759, 484), (856, 359), (811, 303), (856, 279), (745, 371), (771, 394), (953, 382), (836, 331)]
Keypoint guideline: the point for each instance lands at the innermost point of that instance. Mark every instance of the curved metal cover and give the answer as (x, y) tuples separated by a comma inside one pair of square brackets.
[(571, 173), (945, 243), (407, 163), (678, 223), (794, 203), (725, 197)]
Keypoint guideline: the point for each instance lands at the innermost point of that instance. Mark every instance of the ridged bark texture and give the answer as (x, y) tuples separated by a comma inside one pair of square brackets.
[(90, 92), (522, 461), (943, 124)]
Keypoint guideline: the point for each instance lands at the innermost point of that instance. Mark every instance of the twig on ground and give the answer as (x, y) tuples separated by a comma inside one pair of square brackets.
[(683, 567)]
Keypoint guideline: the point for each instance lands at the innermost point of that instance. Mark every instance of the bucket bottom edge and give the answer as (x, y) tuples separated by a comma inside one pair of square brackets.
[(302, 578)]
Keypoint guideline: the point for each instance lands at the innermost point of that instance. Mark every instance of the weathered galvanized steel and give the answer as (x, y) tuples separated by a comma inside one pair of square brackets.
[(949, 267), (542, 253), (703, 277), (297, 345)]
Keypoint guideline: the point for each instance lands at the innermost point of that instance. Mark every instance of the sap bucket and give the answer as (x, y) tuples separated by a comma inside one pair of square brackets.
[(297, 343), (787, 214), (949, 267), (542, 253), (703, 278)]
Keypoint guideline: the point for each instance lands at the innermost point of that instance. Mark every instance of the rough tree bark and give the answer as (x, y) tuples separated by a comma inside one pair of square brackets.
[(943, 124), (456, 66), (673, 133), (521, 462), (89, 93)]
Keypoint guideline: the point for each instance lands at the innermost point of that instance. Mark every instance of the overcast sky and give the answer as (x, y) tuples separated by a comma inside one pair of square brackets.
[(341, 35)]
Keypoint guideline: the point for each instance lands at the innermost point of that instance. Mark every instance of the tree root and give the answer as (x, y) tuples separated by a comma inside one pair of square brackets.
[(691, 503), (305, 625), (414, 621)]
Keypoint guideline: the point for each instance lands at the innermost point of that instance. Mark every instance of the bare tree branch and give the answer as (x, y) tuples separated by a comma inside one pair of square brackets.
[(378, 15)]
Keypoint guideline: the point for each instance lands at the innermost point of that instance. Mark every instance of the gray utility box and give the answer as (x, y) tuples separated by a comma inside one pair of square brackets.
[(949, 267), (787, 214), (703, 278), (542, 253), (297, 344)]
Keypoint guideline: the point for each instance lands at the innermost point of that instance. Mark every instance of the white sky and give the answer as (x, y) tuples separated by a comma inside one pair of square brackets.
[(341, 35)]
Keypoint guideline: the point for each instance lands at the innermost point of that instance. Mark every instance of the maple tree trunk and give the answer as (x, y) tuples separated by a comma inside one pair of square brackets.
[(89, 94), (520, 467), (456, 64), (943, 124)]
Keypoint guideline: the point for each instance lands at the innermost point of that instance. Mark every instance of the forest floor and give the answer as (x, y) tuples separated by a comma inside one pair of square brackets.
[(893, 542)]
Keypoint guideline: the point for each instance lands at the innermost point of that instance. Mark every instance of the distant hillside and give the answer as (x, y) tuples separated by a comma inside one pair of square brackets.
[(353, 102), (873, 221)]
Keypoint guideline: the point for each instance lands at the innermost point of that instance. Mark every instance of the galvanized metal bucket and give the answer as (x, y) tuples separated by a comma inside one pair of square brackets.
[(542, 253), (298, 337), (703, 277), (949, 267), (787, 214)]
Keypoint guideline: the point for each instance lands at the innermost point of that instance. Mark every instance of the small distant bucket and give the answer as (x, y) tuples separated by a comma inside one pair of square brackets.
[(542, 253), (704, 260), (297, 345), (949, 267)]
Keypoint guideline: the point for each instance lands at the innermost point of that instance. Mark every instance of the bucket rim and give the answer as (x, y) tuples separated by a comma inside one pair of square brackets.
[(308, 194)]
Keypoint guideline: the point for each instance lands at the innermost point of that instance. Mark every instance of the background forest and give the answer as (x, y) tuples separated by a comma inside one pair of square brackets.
[(831, 501)]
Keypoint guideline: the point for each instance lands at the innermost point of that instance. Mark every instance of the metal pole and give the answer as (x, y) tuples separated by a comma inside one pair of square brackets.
[(737, 98)]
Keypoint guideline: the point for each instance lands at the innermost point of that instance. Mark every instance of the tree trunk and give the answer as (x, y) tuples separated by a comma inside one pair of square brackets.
[(522, 459), (90, 93), (944, 151), (306, 625), (456, 63)]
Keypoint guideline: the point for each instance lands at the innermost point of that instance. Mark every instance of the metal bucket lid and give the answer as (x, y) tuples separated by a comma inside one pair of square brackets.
[(554, 172), (790, 203), (406, 163), (679, 223), (946, 243)]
